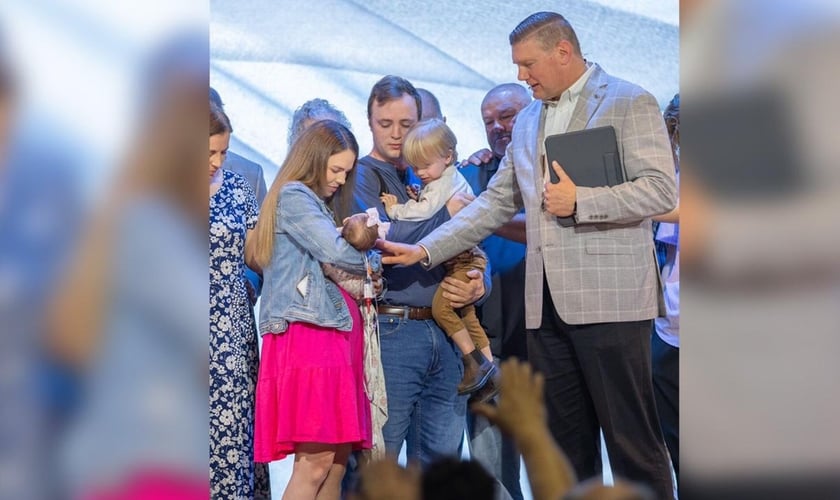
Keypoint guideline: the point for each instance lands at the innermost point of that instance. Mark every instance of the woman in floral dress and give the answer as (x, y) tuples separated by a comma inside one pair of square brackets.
[(233, 336)]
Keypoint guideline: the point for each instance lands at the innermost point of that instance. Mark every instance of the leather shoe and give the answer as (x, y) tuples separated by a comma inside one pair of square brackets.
[(477, 371)]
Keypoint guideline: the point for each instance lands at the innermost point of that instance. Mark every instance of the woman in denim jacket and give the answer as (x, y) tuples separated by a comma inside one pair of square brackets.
[(310, 390)]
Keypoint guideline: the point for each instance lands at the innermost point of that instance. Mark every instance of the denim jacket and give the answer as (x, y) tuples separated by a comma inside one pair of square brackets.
[(294, 287)]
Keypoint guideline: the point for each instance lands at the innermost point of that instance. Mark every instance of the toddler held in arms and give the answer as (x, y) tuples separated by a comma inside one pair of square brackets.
[(429, 146)]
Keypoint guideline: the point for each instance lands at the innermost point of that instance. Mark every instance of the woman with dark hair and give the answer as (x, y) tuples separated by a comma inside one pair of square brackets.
[(233, 336)]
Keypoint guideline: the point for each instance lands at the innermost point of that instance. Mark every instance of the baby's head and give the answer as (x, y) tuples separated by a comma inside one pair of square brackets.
[(358, 233), (362, 230), (429, 147)]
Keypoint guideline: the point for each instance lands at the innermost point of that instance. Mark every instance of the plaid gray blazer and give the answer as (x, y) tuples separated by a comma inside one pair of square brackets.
[(603, 269)]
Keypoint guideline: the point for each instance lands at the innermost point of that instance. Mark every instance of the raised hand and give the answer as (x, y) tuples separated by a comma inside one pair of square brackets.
[(520, 407)]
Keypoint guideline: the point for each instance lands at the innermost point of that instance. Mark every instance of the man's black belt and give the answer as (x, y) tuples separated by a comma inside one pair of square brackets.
[(405, 312)]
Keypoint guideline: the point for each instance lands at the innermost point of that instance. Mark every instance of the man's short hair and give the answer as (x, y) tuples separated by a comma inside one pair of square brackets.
[(429, 100), (519, 92), (390, 88), (548, 28)]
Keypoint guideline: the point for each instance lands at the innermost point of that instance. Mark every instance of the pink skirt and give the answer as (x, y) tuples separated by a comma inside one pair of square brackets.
[(154, 485), (311, 389)]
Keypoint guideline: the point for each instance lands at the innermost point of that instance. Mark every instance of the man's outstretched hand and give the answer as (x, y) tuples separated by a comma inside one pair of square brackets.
[(400, 253)]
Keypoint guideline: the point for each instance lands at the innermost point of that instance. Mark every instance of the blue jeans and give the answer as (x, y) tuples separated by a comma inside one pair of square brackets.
[(497, 454), (422, 371)]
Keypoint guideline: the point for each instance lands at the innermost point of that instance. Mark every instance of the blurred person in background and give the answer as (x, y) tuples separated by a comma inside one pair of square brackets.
[(760, 246), (234, 357), (130, 313), (40, 209)]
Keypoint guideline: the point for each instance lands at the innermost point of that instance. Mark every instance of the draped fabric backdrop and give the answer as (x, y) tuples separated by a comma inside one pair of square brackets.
[(268, 57)]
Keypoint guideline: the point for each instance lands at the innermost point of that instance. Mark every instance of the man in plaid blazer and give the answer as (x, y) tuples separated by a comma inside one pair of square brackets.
[(592, 289)]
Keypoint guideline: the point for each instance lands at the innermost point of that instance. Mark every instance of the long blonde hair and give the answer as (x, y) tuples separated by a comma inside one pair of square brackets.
[(306, 163)]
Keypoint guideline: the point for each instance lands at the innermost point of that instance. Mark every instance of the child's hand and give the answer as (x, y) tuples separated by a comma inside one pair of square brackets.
[(388, 200), (412, 191)]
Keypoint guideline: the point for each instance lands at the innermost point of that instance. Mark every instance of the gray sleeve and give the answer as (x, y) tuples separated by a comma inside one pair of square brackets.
[(492, 209)]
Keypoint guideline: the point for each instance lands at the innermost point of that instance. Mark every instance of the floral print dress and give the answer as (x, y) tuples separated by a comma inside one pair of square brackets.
[(233, 347)]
